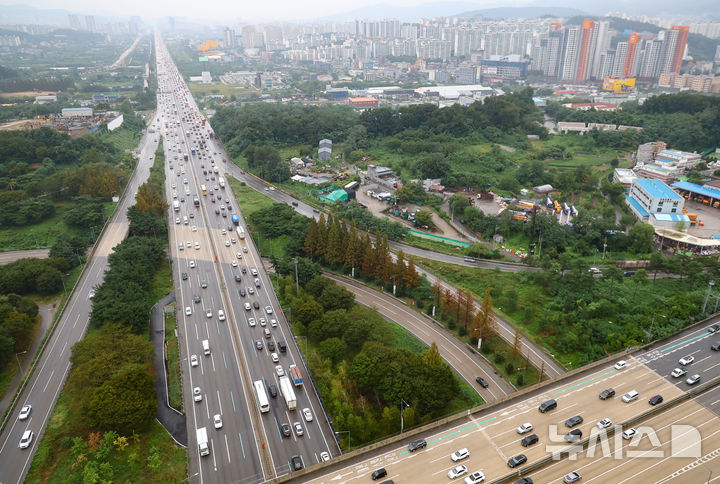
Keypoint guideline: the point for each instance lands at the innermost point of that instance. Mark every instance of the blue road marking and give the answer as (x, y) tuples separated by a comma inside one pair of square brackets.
[(470, 427), (583, 382), (683, 342)]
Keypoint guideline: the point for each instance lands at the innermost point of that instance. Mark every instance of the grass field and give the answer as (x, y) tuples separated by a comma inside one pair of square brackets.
[(173, 355), (148, 457), (248, 199), (123, 139)]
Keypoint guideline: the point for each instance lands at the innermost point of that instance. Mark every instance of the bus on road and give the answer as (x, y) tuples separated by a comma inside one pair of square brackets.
[(235, 219), (262, 397)]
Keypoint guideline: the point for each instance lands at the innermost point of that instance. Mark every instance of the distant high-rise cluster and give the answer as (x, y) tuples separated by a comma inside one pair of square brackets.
[(580, 53), (568, 53)]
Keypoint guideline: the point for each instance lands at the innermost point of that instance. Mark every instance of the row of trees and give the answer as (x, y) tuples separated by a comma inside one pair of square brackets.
[(335, 244), (361, 374)]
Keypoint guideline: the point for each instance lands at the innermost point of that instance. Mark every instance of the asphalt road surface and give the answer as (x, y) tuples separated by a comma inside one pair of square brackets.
[(492, 438), (465, 363), (51, 370), (249, 447)]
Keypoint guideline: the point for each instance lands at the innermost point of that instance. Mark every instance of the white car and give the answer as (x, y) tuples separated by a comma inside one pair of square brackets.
[(525, 428), (91, 294), (475, 477), (245, 250), (604, 423), (234, 263), (460, 455), (227, 243), (25, 412), (678, 372), (223, 232), (268, 309), (324, 456), (629, 434), (273, 323), (247, 307), (208, 313), (192, 264), (221, 315), (197, 394), (251, 321), (279, 370), (193, 360), (686, 360), (620, 365), (457, 472), (177, 220), (181, 246), (194, 229), (307, 414), (217, 421), (188, 311), (26, 439), (274, 357), (239, 255), (197, 245)]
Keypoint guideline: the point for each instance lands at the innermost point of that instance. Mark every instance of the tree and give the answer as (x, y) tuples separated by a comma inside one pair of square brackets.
[(458, 204), (640, 238), (424, 218), (308, 311), (336, 297), (412, 279), (516, 342), (334, 349), (484, 320)]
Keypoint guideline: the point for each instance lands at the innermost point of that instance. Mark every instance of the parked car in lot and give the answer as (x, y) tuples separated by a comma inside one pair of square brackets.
[(604, 423), (573, 421), (629, 433), (460, 454), (524, 428), (574, 435), (529, 440), (517, 460), (475, 477)]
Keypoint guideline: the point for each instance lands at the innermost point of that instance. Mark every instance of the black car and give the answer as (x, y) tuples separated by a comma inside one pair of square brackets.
[(714, 328), (655, 400), (517, 461), (242, 292), (184, 276), (243, 269), (530, 440), (481, 381), (715, 346), (196, 299), (256, 305), (377, 474), (270, 346), (417, 444), (605, 394), (259, 344), (524, 480), (229, 207), (237, 278), (285, 429), (217, 211), (573, 421), (272, 390), (282, 346), (297, 463), (574, 435)]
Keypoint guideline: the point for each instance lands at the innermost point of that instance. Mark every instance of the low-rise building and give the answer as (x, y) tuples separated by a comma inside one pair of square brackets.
[(363, 102), (77, 113), (624, 176)]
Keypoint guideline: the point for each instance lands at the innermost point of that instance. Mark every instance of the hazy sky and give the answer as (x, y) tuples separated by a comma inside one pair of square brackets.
[(242, 10)]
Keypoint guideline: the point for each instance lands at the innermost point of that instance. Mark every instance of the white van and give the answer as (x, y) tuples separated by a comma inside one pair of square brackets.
[(630, 396), (206, 347)]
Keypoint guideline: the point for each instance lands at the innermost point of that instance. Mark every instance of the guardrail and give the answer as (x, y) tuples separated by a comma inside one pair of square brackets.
[(593, 438)]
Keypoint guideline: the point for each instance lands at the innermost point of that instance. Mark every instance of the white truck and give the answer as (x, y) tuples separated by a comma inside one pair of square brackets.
[(221, 182), (241, 233), (176, 206), (286, 389), (202, 439)]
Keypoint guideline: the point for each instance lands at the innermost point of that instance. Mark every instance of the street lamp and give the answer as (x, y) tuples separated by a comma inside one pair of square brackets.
[(344, 432), (707, 295), (297, 285), (649, 333), (18, 359), (403, 404)]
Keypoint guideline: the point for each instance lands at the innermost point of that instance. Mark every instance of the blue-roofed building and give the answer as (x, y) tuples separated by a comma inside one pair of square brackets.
[(653, 202)]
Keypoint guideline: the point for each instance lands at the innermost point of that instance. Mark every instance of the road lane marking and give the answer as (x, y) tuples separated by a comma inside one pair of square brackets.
[(584, 382), (684, 342)]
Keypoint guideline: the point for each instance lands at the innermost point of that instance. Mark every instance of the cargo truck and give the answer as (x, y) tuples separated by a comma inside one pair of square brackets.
[(176, 206), (203, 446), (287, 392), (241, 233), (296, 375)]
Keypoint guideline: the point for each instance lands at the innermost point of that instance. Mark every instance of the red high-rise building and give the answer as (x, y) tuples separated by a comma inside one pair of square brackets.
[(630, 55), (680, 42), (585, 50)]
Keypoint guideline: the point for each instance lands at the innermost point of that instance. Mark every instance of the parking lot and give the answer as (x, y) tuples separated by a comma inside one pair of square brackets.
[(708, 215)]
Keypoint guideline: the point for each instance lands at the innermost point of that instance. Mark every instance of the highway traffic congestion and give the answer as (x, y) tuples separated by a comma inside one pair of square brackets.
[(252, 417)]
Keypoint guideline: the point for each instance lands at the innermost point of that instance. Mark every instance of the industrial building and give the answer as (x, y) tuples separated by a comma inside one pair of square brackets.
[(325, 150), (653, 202)]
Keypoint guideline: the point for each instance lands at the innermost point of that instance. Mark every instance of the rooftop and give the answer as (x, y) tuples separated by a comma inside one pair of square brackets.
[(636, 205), (692, 187), (657, 189)]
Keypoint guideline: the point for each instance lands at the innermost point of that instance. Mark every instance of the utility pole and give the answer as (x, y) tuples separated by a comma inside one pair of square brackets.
[(297, 285)]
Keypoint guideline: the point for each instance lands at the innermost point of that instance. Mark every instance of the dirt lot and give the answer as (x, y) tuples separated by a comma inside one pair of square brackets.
[(26, 93), (22, 124), (710, 216)]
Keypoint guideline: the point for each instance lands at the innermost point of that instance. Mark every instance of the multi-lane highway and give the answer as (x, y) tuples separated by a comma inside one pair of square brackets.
[(51, 370), (665, 447), (218, 268)]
